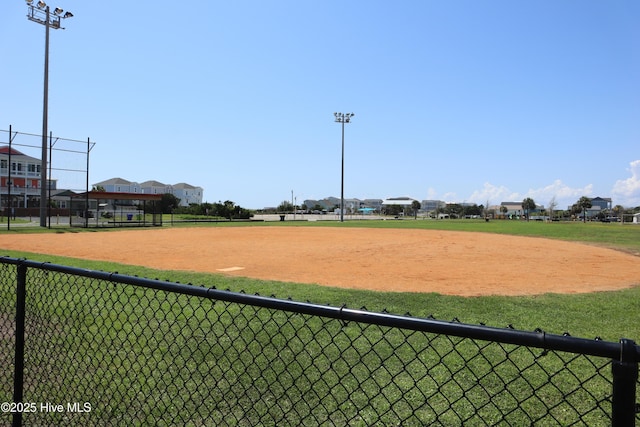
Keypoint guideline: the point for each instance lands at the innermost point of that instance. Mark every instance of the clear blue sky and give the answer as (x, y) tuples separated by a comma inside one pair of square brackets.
[(462, 100)]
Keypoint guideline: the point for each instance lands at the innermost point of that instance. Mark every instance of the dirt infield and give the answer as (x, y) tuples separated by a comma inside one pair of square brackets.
[(454, 263)]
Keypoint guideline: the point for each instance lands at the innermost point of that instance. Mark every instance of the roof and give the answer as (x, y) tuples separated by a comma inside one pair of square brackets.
[(108, 195), (152, 183), (113, 181), (184, 185), (5, 150), (403, 201), (148, 183)]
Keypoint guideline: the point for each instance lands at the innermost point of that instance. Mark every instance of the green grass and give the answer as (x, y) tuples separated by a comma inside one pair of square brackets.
[(252, 357)]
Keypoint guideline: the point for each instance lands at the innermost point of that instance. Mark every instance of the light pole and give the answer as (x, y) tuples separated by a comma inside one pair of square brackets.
[(40, 14), (342, 118)]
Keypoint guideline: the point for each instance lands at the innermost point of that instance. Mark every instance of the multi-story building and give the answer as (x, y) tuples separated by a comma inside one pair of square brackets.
[(188, 194), (20, 176), (432, 205), (601, 203)]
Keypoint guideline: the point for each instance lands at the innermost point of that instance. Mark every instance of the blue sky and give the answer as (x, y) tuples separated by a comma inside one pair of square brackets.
[(462, 100)]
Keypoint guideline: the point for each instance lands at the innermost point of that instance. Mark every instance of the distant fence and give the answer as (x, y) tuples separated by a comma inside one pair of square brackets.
[(83, 347)]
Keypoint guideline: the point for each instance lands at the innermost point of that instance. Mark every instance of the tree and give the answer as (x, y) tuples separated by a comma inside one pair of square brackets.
[(584, 203), (473, 210), (285, 206), (394, 210), (552, 205), (618, 211), (486, 211), (454, 209), (527, 206), (415, 205), (168, 202), (229, 210)]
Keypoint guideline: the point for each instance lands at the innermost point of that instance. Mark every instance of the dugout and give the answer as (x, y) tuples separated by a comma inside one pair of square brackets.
[(107, 209)]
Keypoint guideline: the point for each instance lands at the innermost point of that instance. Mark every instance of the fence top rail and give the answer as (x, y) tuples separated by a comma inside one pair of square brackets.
[(624, 350)]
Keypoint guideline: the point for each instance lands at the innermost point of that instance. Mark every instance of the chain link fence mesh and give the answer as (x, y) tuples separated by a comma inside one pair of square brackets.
[(99, 352)]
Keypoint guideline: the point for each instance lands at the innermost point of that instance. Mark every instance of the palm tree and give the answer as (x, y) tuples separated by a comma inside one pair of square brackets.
[(584, 203), (527, 205), (415, 205), (618, 211)]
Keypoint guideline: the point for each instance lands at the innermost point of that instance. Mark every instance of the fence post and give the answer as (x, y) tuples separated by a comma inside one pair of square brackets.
[(625, 375), (21, 287)]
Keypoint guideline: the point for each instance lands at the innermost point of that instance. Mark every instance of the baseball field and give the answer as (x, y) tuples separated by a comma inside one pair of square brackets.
[(380, 259), (576, 278)]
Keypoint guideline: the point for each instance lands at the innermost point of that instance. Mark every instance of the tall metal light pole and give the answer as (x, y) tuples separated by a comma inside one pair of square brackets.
[(342, 118), (41, 15)]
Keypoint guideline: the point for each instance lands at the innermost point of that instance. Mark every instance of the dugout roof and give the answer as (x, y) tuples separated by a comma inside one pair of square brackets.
[(106, 195)]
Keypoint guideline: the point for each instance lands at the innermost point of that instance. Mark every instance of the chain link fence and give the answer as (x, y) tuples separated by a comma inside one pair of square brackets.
[(106, 349)]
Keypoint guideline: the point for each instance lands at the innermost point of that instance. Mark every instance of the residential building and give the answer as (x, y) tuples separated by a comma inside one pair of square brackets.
[(187, 193), (601, 203), (600, 206), (514, 209), (375, 204), (350, 205), (399, 201), (155, 187), (20, 175), (119, 185)]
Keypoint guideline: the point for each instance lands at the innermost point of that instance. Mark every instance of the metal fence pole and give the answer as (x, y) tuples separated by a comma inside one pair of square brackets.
[(625, 375), (21, 287)]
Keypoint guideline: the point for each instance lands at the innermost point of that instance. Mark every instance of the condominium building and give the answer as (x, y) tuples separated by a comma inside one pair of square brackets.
[(20, 179), (187, 193)]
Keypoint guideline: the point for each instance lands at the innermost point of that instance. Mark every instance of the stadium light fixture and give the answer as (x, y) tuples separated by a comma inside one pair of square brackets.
[(342, 118), (40, 14)]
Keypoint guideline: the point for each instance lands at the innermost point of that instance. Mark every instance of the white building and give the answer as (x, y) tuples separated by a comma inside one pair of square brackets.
[(20, 176), (188, 194)]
